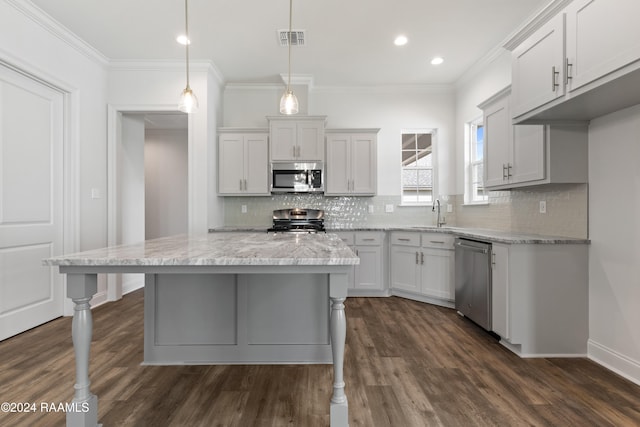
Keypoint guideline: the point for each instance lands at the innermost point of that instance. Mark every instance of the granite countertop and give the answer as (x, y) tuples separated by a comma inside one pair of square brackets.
[(472, 233), (219, 249)]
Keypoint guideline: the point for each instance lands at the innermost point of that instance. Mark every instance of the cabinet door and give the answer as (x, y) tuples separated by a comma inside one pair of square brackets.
[(497, 141), (405, 273), (437, 273), (538, 67), (363, 164), (230, 164), (500, 290), (528, 153), (283, 140), (310, 141), (368, 274), (602, 36), (256, 165), (337, 178)]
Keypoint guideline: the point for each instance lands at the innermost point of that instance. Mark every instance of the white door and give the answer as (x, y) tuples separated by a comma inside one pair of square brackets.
[(31, 142)]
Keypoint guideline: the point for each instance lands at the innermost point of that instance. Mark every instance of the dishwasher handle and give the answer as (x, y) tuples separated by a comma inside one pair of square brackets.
[(472, 248)]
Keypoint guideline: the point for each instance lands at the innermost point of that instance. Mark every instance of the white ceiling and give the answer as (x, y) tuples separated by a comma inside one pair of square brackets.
[(348, 42)]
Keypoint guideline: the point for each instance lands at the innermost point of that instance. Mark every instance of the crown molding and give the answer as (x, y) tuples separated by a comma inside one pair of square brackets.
[(298, 79), (529, 26), (166, 65), (532, 24), (58, 30), (415, 88)]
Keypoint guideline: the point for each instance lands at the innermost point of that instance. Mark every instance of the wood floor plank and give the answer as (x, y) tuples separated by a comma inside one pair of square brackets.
[(407, 364)]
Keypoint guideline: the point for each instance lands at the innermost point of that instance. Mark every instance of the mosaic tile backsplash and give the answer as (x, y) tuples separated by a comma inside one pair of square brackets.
[(514, 211)]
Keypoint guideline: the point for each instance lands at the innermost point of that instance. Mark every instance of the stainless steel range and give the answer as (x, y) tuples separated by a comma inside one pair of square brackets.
[(298, 220)]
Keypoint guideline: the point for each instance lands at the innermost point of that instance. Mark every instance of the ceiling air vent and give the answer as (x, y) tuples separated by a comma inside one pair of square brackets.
[(297, 37)]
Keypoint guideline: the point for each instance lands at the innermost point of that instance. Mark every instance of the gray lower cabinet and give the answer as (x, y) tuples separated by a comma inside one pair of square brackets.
[(367, 278), (422, 266), (540, 298)]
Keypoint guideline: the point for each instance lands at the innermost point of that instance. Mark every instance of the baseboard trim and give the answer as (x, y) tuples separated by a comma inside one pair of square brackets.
[(132, 286), (422, 298), (614, 361)]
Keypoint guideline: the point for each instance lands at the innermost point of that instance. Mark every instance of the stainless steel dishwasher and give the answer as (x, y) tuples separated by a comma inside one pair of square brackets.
[(473, 280)]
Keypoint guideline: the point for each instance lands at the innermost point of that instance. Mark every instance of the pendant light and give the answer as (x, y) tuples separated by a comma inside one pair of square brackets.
[(188, 100), (289, 102)]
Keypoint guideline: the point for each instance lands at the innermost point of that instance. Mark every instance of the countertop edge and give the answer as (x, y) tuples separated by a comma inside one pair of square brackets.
[(493, 236)]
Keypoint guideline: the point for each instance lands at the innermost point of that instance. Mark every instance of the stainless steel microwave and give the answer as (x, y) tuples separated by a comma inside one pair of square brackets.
[(297, 177)]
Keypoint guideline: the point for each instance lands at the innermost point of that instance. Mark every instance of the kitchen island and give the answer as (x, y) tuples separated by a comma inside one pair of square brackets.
[(223, 298)]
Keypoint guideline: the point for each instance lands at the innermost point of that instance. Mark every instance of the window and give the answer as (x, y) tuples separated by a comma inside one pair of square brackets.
[(474, 164), (418, 173)]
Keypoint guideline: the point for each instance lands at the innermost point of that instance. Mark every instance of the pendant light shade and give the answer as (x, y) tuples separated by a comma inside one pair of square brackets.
[(188, 101), (289, 102)]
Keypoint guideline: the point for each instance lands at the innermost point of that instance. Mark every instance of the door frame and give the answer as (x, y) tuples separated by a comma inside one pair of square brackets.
[(114, 112)]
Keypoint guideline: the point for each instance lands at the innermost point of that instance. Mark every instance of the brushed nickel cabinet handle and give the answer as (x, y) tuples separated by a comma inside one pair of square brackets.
[(567, 75), (417, 258), (422, 258), (554, 73)]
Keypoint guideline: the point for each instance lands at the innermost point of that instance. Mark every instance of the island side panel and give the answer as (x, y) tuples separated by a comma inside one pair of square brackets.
[(237, 318)]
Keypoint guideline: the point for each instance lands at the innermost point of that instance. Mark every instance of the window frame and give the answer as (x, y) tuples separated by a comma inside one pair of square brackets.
[(434, 169), (471, 194)]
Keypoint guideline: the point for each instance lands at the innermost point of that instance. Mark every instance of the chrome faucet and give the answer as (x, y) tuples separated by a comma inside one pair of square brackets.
[(440, 221)]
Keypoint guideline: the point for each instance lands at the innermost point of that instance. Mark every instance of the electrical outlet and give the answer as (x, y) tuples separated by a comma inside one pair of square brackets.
[(543, 206), (388, 208), (449, 208), (370, 208), (244, 208)]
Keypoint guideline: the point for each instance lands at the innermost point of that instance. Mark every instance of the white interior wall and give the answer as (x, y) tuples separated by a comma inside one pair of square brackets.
[(130, 183), (151, 87), (31, 42), (389, 108), (165, 182), (496, 75), (614, 230)]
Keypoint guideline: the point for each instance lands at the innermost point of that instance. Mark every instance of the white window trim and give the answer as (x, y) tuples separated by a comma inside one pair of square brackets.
[(468, 165), (434, 161)]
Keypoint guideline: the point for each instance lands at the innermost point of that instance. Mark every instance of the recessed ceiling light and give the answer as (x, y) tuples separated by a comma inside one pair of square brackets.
[(183, 40), (400, 41), (437, 60)]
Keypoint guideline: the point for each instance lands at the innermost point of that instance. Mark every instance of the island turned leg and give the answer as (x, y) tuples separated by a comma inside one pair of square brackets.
[(339, 412), (83, 410)]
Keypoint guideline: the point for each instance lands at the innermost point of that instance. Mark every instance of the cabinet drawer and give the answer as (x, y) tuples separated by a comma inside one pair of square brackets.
[(368, 239), (405, 239), (437, 240), (347, 237)]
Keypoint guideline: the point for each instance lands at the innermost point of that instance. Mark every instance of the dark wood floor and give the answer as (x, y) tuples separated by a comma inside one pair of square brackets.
[(407, 364)]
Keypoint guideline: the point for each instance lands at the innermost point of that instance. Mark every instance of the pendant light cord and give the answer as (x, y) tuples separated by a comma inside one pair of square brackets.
[(186, 30), (289, 37)]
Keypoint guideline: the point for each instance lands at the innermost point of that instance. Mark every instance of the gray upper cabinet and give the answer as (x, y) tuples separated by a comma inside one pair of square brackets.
[(525, 155), (581, 64), (296, 139), (351, 167), (243, 163)]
